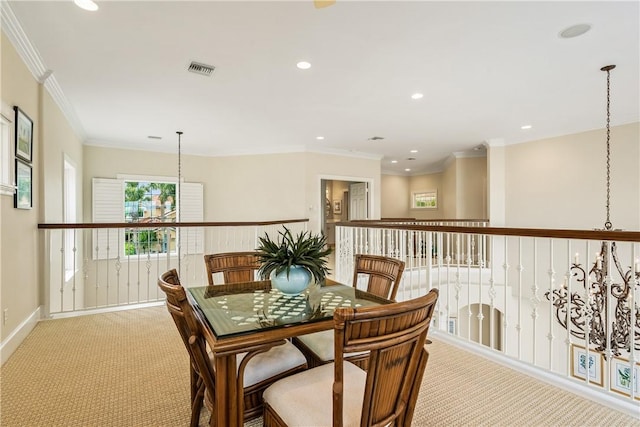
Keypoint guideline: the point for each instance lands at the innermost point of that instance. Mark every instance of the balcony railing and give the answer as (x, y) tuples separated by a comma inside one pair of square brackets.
[(507, 293), (98, 266), (501, 289)]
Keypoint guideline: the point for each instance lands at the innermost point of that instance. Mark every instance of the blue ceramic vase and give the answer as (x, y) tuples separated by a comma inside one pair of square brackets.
[(298, 280)]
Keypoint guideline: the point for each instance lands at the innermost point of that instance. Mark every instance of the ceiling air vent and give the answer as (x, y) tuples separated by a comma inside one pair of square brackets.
[(200, 68), (376, 138)]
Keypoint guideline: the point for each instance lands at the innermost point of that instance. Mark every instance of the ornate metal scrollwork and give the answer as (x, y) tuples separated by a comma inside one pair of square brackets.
[(590, 307)]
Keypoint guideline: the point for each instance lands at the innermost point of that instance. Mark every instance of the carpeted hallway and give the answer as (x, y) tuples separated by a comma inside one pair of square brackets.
[(130, 368)]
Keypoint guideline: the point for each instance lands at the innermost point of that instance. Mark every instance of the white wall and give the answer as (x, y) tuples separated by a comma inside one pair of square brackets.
[(561, 182), (461, 188), (428, 182), (22, 291), (19, 273), (240, 188), (471, 188), (395, 196)]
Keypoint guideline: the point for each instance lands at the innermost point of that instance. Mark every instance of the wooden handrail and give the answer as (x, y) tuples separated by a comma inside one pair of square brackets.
[(423, 220), (102, 225), (615, 235)]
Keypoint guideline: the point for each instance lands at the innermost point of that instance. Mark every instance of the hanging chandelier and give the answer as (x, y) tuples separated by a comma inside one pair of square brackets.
[(588, 312)]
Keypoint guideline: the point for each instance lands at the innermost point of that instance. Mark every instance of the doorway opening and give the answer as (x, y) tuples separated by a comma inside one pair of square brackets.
[(343, 200)]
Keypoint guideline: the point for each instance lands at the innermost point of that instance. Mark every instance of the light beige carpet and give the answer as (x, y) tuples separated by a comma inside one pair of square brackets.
[(130, 368)]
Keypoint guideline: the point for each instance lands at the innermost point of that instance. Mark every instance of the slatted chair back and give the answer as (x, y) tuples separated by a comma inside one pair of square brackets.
[(183, 317), (190, 323), (384, 274), (236, 267), (395, 336)]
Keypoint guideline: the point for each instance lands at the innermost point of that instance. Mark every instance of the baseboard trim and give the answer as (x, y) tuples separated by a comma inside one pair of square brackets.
[(603, 398), (92, 311), (13, 341)]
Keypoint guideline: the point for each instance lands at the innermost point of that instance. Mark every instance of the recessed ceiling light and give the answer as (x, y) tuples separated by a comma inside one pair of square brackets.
[(525, 127), (574, 31), (319, 138), (86, 5), (303, 65), (394, 161), (413, 151), (417, 96), (407, 170)]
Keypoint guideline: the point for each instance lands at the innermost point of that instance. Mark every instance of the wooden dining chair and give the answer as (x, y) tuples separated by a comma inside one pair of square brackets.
[(169, 283), (258, 373), (382, 278), (383, 274), (236, 267), (340, 393)]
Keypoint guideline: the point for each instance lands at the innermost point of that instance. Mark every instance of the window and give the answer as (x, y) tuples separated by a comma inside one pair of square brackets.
[(149, 202), (69, 193), (424, 200), (144, 199), (6, 179)]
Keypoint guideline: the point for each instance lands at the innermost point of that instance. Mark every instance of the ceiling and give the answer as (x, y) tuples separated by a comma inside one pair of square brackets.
[(485, 69)]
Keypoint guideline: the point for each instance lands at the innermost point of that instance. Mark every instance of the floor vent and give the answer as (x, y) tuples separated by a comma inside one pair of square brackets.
[(200, 68)]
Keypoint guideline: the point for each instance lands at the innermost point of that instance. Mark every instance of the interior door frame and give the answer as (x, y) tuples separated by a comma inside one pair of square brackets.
[(370, 193)]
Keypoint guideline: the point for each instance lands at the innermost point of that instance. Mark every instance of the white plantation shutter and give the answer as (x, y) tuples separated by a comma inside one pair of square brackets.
[(108, 206), (192, 210)]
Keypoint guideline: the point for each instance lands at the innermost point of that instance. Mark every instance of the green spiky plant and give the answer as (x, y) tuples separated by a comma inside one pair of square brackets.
[(305, 250)]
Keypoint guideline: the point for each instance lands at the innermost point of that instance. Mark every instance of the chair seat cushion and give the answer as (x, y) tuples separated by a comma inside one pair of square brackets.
[(321, 344), (306, 399), (265, 365)]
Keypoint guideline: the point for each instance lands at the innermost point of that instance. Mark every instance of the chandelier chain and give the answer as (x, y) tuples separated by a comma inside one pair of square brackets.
[(608, 223), (179, 205), (603, 315)]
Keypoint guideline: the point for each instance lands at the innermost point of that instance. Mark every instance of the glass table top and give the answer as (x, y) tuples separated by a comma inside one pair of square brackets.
[(243, 308)]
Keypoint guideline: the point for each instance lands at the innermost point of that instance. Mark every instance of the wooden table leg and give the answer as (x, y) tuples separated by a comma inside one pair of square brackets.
[(227, 393)]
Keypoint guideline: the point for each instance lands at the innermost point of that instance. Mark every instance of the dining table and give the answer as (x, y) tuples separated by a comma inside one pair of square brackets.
[(252, 317)]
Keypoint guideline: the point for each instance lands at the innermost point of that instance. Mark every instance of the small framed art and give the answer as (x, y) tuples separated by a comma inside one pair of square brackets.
[(23, 135), (23, 198), (583, 363), (452, 326), (337, 206), (622, 378)]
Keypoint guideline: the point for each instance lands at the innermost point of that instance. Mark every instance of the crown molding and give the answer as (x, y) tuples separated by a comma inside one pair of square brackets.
[(345, 153), (469, 154), (284, 149), (495, 142), (32, 59), (12, 28)]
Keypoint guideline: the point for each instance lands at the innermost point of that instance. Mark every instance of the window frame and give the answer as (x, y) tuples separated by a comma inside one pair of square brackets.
[(70, 212), (7, 181)]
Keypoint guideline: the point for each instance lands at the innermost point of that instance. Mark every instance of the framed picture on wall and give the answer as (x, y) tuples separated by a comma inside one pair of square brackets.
[(337, 206), (23, 135), (622, 378), (424, 199), (23, 197), (452, 326), (583, 364)]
